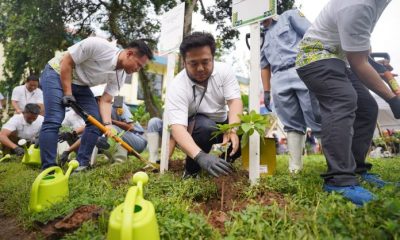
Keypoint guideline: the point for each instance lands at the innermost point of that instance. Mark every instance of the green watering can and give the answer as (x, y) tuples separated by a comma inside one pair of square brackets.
[(32, 154), (136, 217), (48, 189)]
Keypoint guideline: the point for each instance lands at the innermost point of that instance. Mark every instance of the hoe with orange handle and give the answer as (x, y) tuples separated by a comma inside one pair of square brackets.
[(87, 117)]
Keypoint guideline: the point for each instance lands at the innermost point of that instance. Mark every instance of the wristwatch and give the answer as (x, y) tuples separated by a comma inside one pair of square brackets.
[(106, 123)]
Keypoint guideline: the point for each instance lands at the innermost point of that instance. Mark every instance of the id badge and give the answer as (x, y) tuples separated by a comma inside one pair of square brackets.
[(118, 101)]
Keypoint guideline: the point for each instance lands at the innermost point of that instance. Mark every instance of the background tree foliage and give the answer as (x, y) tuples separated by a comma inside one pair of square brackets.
[(32, 30)]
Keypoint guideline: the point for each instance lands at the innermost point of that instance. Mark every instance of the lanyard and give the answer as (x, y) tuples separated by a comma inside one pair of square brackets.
[(116, 74)]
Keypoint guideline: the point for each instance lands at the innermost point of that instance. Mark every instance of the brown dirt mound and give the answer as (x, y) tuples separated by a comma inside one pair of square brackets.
[(231, 198), (11, 229), (61, 226), (176, 166)]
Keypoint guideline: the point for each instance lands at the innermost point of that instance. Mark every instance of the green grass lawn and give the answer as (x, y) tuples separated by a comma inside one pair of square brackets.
[(300, 211)]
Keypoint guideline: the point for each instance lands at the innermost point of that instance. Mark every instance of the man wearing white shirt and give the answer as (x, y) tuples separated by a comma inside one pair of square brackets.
[(67, 78), (22, 126), (27, 93), (199, 100)]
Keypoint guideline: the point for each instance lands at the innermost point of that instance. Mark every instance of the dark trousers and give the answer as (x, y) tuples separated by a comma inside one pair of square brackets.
[(202, 134), (54, 115), (348, 113)]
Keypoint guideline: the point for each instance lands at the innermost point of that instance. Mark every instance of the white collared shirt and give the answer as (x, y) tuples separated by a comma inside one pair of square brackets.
[(95, 63), (181, 104), (24, 130), (73, 120), (23, 96)]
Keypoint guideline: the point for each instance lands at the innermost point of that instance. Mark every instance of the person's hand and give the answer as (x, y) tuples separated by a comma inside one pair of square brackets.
[(102, 143), (110, 131), (212, 164), (19, 151), (267, 100), (67, 100), (232, 137), (64, 158), (70, 137), (394, 104)]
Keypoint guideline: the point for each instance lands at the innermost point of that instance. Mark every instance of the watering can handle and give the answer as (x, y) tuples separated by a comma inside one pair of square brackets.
[(128, 211), (35, 185)]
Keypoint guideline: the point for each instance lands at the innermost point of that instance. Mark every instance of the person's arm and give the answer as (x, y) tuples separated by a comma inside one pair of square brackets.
[(67, 65), (366, 73), (41, 105), (4, 133), (16, 107), (80, 129), (123, 125), (105, 107), (235, 108), (184, 140), (266, 78), (299, 22)]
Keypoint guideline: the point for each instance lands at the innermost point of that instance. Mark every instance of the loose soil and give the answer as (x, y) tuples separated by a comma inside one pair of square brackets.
[(231, 198), (61, 226), (11, 229)]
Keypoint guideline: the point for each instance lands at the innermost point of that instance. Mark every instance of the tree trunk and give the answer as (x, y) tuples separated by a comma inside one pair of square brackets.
[(187, 25), (149, 101)]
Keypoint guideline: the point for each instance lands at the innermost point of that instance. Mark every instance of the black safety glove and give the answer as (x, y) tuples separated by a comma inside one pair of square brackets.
[(19, 151), (267, 100), (212, 164), (64, 158), (70, 137), (102, 143), (394, 104), (67, 100)]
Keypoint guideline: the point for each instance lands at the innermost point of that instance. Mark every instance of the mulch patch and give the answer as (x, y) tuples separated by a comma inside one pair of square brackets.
[(230, 198), (176, 166), (60, 226)]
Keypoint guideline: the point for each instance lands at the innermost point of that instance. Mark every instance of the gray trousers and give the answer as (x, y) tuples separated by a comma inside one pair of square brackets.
[(135, 140), (348, 113)]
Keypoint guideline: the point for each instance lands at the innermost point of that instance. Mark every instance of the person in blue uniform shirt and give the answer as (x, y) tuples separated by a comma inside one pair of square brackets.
[(295, 106)]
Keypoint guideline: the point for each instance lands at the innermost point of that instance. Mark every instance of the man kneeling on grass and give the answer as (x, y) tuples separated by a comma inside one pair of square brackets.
[(22, 126), (198, 102)]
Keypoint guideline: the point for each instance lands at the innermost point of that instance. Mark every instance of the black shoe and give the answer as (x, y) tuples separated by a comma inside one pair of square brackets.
[(187, 175)]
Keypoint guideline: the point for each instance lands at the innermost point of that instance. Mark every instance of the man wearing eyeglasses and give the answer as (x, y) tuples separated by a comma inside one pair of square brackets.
[(67, 79), (199, 100)]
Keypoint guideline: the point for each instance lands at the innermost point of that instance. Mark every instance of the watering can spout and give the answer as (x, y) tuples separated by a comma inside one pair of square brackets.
[(71, 166), (7, 156)]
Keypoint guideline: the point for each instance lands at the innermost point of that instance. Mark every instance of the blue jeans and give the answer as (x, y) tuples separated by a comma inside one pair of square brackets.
[(54, 115)]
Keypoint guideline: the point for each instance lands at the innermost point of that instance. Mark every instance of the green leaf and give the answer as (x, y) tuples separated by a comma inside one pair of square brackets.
[(246, 127)]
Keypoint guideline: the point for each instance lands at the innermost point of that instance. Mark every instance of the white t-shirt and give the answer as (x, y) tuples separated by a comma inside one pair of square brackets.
[(347, 24), (95, 62), (73, 120), (181, 104), (24, 130), (23, 96)]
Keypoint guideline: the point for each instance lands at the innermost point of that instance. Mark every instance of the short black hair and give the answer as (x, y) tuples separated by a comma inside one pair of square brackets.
[(195, 40), (32, 78), (142, 48), (32, 108)]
